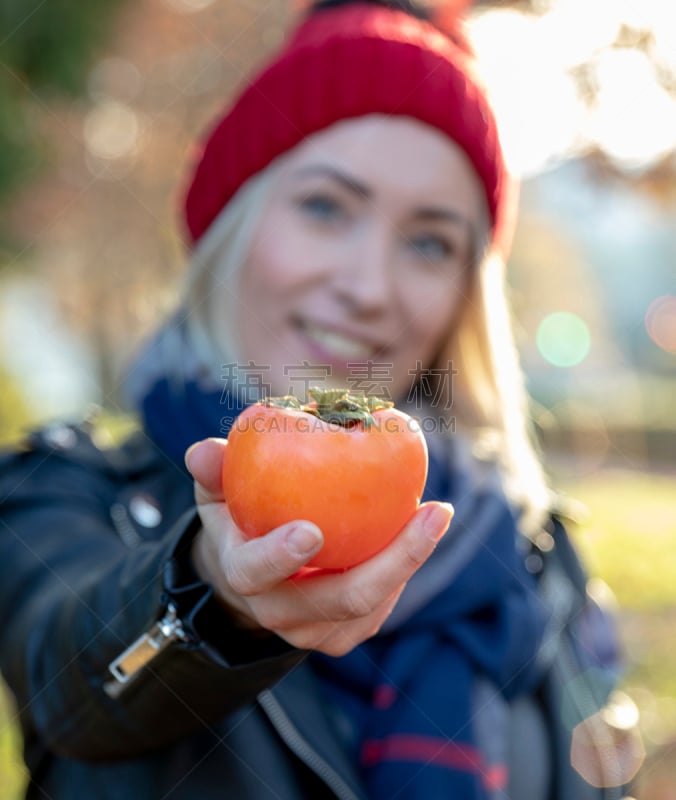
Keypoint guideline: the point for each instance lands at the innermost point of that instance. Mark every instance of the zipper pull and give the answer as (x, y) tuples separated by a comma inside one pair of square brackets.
[(146, 648)]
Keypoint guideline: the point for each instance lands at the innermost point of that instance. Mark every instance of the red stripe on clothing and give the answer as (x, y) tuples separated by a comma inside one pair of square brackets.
[(437, 751), (425, 749)]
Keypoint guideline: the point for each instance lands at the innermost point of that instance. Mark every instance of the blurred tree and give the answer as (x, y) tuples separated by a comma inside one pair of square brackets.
[(45, 49)]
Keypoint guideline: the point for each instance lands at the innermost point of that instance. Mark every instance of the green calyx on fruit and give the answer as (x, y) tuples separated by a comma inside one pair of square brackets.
[(334, 405)]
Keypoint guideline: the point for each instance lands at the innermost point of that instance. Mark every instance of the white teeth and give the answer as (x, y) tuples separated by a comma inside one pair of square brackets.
[(344, 346)]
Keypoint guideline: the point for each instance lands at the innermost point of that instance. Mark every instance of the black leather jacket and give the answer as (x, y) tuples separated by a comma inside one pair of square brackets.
[(92, 552)]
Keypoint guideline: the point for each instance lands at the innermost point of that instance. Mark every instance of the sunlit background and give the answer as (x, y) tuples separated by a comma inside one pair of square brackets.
[(585, 90)]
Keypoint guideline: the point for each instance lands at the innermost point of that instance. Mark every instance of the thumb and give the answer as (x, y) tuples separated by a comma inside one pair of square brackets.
[(204, 461)]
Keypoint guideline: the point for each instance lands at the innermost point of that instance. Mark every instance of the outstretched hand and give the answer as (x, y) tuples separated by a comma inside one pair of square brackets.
[(259, 581)]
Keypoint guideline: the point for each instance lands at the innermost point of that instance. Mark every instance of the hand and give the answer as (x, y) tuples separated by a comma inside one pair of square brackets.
[(259, 579)]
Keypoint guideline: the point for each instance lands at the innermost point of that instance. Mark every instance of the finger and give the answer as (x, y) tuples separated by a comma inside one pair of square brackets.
[(204, 461), (395, 565), (361, 590), (260, 564), (338, 638), (422, 534)]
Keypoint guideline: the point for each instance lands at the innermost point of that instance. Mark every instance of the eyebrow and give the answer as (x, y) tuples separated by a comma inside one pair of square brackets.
[(337, 175), (424, 213)]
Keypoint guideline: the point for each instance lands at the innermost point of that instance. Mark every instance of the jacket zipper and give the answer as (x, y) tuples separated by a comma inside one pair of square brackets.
[(302, 748), (146, 648)]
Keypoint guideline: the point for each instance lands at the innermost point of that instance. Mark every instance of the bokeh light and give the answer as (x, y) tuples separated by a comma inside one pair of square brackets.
[(114, 79), (111, 130), (660, 322), (563, 339), (188, 6)]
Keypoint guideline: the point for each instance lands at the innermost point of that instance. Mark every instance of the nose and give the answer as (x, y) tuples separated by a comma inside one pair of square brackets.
[(364, 279)]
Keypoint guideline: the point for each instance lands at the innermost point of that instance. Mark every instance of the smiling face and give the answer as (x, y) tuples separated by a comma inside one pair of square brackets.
[(362, 254)]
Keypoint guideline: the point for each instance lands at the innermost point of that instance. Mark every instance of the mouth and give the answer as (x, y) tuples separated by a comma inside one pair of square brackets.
[(339, 344)]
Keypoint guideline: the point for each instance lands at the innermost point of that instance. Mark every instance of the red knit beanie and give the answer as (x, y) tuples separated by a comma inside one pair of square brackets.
[(348, 61)]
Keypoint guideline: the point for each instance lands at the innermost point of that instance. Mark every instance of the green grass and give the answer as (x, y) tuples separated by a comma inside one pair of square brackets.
[(629, 540)]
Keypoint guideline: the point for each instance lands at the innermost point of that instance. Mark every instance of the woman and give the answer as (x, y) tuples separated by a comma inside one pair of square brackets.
[(349, 212)]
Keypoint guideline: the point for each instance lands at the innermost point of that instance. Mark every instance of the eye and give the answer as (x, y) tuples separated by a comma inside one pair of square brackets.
[(432, 247), (322, 207)]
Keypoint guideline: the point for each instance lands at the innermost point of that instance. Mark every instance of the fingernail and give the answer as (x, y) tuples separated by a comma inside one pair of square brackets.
[(303, 540), (438, 519)]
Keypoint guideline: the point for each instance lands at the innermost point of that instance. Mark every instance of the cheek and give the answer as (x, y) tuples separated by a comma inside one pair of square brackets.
[(431, 311), (428, 321), (266, 270), (281, 258), (269, 283)]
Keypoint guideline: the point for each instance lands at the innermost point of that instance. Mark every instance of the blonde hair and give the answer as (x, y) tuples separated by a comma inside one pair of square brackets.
[(489, 402), (215, 264)]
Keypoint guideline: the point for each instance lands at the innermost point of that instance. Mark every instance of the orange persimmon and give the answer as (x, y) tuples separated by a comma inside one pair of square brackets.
[(353, 465)]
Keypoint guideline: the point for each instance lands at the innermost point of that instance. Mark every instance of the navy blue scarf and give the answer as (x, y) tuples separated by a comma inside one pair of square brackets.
[(407, 693)]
